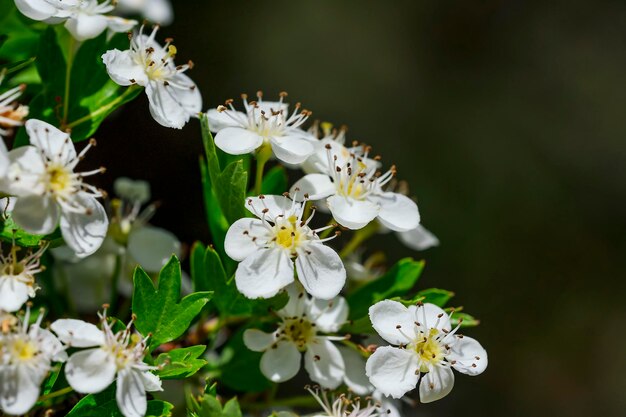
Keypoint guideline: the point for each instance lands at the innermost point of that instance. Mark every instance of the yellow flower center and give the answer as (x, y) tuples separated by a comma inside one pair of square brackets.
[(24, 350), (288, 234), (299, 331), (429, 350), (59, 178)]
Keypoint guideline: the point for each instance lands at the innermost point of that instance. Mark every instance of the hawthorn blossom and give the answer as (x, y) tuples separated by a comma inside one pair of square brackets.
[(111, 357), (17, 277), (302, 319), (173, 96), (427, 346), (419, 238), (157, 11), (26, 354), (11, 113), (265, 125), (50, 192), (344, 405), (84, 19), (268, 246), (354, 192)]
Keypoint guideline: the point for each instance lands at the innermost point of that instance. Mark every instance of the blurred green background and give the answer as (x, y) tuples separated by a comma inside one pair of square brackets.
[(506, 117)]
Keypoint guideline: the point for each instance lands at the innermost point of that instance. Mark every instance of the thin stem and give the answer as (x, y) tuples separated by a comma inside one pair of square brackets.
[(130, 90), (359, 237), (262, 156), (68, 73), (55, 394), (328, 231)]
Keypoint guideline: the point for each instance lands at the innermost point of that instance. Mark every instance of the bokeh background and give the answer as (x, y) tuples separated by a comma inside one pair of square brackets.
[(506, 117)]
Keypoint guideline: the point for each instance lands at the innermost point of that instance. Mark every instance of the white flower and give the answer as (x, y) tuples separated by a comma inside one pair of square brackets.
[(84, 19), (264, 124), (419, 238), (172, 95), (17, 278), (110, 357), (267, 248), (26, 355), (42, 177), (302, 319), (157, 11), (427, 346), (355, 193), (345, 406), (11, 113)]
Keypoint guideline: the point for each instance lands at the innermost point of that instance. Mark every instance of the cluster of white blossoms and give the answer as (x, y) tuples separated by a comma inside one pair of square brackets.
[(51, 193)]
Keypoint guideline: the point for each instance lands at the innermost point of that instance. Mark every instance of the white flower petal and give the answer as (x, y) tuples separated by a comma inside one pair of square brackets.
[(320, 271), (264, 273), (165, 109), (331, 314), (90, 371), (151, 382), (237, 141), (350, 213), (131, 393), (392, 371), (4, 159), (429, 316), (13, 293), (436, 384), (355, 377), (119, 24), (55, 144), (324, 363), (122, 68), (26, 166), (186, 94), (36, 214), (219, 120), (85, 232), (36, 10), (469, 355), (77, 333), (419, 238), (20, 389), (297, 303), (397, 212), (317, 186), (276, 205), (387, 315), (291, 149), (258, 341), (158, 11), (281, 362), (238, 243), (152, 247), (49, 343), (85, 26)]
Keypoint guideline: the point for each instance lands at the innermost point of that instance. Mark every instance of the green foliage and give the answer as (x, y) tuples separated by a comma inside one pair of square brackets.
[(158, 310), (9, 231), (208, 275), (398, 281), (435, 296), (275, 181), (105, 405), (466, 320), (209, 406), (180, 363)]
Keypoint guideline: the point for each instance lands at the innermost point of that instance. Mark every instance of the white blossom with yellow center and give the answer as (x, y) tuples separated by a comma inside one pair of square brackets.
[(111, 357), (427, 347), (267, 248), (354, 191), (264, 125), (17, 278), (84, 19), (26, 353), (345, 406), (302, 321), (50, 192), (173, 96), (11, 113)]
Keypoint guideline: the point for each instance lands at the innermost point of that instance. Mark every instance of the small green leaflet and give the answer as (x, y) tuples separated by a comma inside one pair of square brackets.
[(180, 363), (9, 231), (105, 405), (209, 406), (159, 310)]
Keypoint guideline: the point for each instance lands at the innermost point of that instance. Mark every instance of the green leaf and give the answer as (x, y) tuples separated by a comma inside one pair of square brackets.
[(105, 405), (218, 225), (16, 66), (231, 191), (231, 408), (159, 310), (275, 181), (466, 320), (9, 231), (208, 406), (435, 296), (212, 161), (398, 281), (180, 363)]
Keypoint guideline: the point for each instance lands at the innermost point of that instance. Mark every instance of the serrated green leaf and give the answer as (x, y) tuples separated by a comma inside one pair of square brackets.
[(399, 280), (275, 181), (231, 408), (218, 225), (207, 406), (180, 363), (9, 231), (231, 191), (105, 405), (159, 310), (467, 320)]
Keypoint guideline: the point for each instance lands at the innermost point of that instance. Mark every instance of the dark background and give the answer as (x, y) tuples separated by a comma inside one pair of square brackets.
[(507, 119)]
